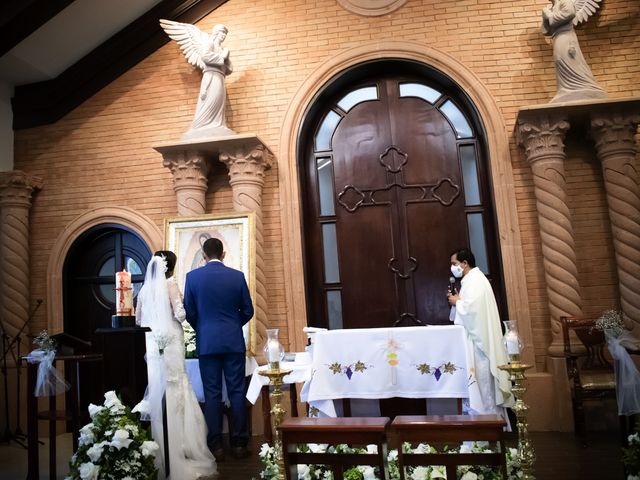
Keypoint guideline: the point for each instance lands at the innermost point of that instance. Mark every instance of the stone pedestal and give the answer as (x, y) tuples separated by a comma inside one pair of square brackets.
[(247, 158), (16, 188)]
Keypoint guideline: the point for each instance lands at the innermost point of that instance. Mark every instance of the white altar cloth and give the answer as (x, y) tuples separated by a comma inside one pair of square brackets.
[(374, 363), (300, 372)]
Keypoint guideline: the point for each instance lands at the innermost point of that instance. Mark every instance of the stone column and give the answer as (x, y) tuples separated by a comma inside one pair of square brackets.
[(615, 145), (247, 164), (542, 137), (190, 169), (16, 188)]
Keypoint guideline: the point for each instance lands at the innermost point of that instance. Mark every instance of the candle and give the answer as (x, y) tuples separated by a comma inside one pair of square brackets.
[(124, 294), (273, 351), (513, 345)]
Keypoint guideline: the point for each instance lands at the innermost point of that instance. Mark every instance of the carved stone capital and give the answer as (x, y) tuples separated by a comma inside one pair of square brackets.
[(17, 187), (614, 133), (189, 169), (247, 163), (542, 136)]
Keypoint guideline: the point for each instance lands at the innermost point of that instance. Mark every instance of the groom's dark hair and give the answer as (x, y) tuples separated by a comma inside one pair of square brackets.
[(212, 248), (170, 258)]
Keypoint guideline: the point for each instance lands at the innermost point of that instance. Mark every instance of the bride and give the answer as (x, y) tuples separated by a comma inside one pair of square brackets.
[(160, 308)]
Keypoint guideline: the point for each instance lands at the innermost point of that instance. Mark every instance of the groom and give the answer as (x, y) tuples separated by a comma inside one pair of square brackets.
[(217, 302)]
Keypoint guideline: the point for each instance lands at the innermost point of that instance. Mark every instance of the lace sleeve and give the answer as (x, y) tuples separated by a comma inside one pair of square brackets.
[(176, 301)]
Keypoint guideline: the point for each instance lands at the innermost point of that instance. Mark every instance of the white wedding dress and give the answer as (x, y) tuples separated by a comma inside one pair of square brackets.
[(160, 308)]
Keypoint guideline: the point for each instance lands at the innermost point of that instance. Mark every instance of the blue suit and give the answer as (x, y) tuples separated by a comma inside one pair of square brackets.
[(217, 303)]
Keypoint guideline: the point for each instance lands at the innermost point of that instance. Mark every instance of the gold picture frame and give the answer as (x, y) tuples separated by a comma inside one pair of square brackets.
[(184, 236)]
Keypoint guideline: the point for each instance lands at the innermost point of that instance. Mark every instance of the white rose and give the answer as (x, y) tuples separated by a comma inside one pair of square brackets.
[(420, 473), (86, 438), (95, 452), (368, 473), (469, 476), (191, 347), (392, 455), (143, 407), (264, 450), (423, 448), (89, 471), (121, 439), (149, 448), (304, 473), (315, 448), (111, 399), (372, 449), (94, 409)]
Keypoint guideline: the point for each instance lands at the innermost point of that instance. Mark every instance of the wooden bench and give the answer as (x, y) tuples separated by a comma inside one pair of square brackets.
[(451, 430), (356, 431)]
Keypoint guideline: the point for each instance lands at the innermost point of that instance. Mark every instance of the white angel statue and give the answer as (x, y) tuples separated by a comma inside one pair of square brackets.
[(573, 76), (205, 52)]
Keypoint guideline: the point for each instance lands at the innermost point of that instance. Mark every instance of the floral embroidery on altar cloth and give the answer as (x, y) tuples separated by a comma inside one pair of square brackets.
[(348, 370), (438, 371)]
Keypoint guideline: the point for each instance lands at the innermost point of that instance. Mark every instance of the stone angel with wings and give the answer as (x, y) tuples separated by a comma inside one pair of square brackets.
[(205, 52), (573, 76)]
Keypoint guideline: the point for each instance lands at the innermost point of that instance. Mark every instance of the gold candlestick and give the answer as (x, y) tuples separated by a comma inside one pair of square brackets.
[(275, 376), (525, 449)]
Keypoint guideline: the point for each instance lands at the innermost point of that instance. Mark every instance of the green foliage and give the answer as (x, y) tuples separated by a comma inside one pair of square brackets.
[(631, 455)]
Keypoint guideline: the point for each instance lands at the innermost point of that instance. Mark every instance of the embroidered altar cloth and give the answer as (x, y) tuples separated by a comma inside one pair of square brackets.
[(375, 363)]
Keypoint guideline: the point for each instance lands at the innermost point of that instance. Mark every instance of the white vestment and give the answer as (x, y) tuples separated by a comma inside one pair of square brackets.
[(477, 311), (160, 308)]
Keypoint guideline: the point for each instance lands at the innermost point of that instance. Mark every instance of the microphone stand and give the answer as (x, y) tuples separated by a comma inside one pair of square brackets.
[(18, 436)]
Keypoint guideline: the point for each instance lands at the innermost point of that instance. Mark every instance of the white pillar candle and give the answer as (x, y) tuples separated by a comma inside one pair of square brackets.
[(124, 294), (513, 345), (273, 351)]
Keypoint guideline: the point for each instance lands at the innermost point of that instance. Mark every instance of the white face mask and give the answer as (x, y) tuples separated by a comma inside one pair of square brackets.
[(457, 271)]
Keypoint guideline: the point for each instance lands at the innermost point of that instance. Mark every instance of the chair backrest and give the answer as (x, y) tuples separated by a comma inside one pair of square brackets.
[(592, 340)]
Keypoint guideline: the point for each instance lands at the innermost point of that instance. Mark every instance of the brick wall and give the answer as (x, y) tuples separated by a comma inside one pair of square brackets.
[(100, 154)]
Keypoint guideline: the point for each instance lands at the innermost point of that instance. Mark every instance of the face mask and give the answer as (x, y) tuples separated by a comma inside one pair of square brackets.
[(457, 271)]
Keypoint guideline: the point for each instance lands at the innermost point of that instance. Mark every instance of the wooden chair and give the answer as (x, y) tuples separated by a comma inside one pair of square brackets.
[(449, 430), (357, 431), (591, 373)]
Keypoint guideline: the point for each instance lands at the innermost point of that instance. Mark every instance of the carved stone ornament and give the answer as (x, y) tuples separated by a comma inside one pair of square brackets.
[(371, 8)]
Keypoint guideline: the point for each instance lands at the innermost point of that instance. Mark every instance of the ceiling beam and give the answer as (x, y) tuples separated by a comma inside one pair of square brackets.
[(46, 102), (20, 18)]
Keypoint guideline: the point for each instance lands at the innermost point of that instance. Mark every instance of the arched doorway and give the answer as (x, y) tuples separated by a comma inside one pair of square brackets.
[(393, 179), (88, 288)]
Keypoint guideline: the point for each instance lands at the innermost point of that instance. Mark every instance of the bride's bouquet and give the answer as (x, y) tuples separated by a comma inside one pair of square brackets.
[(189, 340), (114, 445)]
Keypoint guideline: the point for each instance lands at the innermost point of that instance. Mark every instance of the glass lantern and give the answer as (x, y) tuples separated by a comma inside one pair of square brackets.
[(273, 349), (511, 341)]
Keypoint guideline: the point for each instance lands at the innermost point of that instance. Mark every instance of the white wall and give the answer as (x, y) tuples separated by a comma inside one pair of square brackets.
[(6, 127)]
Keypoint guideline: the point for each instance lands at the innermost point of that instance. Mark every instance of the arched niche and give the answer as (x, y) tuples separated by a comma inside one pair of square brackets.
[(126, 217)]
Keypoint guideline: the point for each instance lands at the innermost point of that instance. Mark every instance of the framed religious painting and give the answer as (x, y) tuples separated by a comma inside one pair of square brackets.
[(185, 235)]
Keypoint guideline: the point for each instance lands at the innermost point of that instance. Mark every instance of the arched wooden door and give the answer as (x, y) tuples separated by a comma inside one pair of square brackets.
[(394, 180), (89, 295)]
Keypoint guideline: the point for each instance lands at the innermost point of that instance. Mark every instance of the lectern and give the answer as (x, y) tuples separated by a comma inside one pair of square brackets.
[(124, 366)]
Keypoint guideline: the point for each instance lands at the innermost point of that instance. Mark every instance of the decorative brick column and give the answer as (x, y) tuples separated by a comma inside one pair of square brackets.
[(614, 133), (247, 162), (190, 169), (542, 137), (16, 188)]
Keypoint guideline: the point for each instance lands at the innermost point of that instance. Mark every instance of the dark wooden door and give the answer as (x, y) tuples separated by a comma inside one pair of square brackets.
[(89, 295), (385, 203)]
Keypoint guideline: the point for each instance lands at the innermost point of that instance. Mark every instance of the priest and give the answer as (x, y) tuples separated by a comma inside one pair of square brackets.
[(475, 308)]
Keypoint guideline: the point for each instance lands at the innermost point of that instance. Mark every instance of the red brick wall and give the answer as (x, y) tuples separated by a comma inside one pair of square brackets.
[(100, 154)]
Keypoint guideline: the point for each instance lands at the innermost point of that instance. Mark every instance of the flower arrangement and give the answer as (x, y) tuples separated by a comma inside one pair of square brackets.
[(114, 446), (189, 340), (610, 322), (631, 457), (44, 342), (162, 341), (364, 472)]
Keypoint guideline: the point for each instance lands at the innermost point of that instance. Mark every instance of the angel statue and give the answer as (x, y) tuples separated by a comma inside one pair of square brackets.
[(205, 52), (573, 76)]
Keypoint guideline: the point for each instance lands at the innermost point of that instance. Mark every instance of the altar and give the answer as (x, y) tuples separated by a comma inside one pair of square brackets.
[(432, 362)]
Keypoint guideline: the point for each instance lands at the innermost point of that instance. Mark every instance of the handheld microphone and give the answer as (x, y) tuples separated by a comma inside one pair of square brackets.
[(452, 285)]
